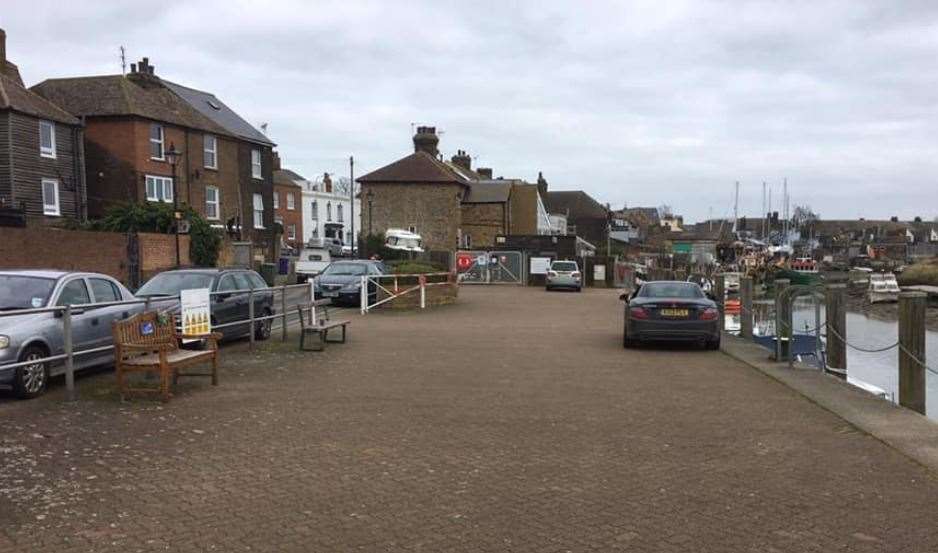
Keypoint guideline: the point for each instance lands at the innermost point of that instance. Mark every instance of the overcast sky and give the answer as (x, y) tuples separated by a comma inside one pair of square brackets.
[(638, 103)]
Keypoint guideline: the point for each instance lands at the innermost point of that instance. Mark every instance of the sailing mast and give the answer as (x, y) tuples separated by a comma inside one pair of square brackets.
[(736, 211)]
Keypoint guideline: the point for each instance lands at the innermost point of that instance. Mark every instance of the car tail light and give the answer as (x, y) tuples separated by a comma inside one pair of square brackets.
[(709, 314), (638, 313), (551, 273)]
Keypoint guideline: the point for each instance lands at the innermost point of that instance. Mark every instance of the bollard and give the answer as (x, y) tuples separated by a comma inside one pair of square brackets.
[(719, 295), (69, 359), (912, 350), (251, 316), (836, 316), (783, 333), (283, 309), (364, 293), (745, 303)]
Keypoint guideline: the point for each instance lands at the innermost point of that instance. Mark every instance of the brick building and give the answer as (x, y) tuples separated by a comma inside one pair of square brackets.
[(287, 202), (224, 170), (41, 162)]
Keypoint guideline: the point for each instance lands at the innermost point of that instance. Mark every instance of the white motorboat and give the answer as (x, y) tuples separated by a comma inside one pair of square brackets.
[(883, 288), (399, 239)]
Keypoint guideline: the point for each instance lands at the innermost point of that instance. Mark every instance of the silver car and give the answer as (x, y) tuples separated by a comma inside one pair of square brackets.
[(37, 335), (564, 274)]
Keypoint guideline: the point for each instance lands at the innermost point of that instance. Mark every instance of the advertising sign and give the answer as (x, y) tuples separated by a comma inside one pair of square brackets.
[(196, 312), (539, 265), (599, 272)]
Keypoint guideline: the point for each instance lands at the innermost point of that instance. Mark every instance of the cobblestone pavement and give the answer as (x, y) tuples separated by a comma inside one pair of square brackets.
[(512, 421)]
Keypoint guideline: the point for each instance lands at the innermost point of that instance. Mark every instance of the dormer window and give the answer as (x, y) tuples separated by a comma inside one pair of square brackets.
[(47, 139)]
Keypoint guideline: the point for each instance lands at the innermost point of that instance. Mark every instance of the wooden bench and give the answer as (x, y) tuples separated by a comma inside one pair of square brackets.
[(319, 329), (149, 343)]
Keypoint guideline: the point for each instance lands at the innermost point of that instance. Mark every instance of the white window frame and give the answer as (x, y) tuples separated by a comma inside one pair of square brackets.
[(340, 213), (162, 188), (315, 210), (216, 203), (257, 169), (53, 209), (276, 199), (49, 152), (329, 212), (258, 205), (161, 141), (291, 231), (291, 201), (213, 151)]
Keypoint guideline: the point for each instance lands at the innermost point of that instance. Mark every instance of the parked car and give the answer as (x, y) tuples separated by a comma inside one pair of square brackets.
[(670, 310), (227, 307), (564, 274), (38, 335), (341, 281), (311, 262)]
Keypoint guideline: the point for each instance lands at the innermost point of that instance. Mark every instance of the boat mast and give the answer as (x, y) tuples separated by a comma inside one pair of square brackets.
[(736, 211), (763, 211)]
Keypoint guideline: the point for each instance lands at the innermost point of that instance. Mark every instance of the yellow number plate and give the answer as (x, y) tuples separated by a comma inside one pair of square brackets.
[(674, 313)]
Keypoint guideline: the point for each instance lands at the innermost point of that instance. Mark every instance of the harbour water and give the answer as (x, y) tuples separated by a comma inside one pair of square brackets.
[(880, 370)]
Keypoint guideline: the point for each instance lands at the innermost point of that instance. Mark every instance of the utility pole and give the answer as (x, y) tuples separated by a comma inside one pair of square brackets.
[(351, 192), (763, 210), (123, 61)]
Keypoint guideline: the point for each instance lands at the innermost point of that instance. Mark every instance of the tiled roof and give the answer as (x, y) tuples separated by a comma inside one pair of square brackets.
[(488, 191), (126, 95), (17, 98), (208, 105), (286, 177), (419, 167), (575, 203)]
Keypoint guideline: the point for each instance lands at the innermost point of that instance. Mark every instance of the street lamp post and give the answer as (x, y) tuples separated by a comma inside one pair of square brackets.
[(370, 196), (172, 156)]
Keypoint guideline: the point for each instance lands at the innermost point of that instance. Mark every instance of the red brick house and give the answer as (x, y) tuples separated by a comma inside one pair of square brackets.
[(224, 172), (288, 204)]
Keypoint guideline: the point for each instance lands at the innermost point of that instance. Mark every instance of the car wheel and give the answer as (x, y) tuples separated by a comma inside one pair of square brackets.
[(713, 344), (31, 380), (262, 328), (579, 288)]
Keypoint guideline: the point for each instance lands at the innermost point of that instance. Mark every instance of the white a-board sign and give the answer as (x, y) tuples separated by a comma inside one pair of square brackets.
[(196, 312)]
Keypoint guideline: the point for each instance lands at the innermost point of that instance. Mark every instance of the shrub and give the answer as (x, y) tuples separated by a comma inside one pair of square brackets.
[(923, 272), (407, 267)]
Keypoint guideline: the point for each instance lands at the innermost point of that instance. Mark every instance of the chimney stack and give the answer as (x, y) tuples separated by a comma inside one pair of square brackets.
[(485, 173), (3, 50), (327, 183), (276, 163), (541, 184), (426, 140), (462, 159)]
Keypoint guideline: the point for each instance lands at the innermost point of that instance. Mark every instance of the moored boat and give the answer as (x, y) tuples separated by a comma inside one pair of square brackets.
[(883, 288)]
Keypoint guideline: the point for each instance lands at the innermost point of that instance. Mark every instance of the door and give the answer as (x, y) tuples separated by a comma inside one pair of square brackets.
[(104, 291), (86, 324), (227, 306)]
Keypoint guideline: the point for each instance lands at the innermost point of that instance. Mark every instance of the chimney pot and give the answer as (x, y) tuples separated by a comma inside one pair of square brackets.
[(462, 159), (426, 140)]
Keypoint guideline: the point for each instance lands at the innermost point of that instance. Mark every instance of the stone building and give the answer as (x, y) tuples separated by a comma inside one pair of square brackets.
[(447, 202)]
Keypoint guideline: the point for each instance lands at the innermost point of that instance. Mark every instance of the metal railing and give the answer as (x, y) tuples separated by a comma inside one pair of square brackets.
[(69, 353), (394, 289)]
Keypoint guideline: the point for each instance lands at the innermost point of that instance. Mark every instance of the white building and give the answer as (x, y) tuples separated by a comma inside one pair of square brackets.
[(327, 211)]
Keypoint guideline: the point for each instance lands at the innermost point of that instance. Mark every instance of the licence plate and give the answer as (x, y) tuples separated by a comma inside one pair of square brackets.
[(674, 313), (330, 294)]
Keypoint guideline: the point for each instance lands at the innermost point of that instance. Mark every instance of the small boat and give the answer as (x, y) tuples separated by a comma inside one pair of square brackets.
[(399, 239), (883, 288), (802, 270)]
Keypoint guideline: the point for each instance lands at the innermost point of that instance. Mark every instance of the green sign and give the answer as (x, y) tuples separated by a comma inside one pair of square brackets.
[(682, 248)]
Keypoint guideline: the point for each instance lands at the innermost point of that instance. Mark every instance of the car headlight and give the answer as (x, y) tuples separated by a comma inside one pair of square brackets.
[(4, 341), (352, 286)]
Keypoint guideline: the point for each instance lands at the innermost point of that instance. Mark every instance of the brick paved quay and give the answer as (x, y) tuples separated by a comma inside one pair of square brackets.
[(513, 421)]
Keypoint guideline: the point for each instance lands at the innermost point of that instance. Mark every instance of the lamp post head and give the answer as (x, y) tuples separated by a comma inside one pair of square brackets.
[(172, 155)]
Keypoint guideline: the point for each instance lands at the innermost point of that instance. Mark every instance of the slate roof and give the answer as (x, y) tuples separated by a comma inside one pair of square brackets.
[(488, 191), (210, 106), (14, 96), (419, 167), (110, 95), (575, 203), (286, 177)]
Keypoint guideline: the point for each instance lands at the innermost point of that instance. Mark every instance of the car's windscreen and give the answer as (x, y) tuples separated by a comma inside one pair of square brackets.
[(564, 266), (671, 290), (170, 284), (24, 292), (346, 269)]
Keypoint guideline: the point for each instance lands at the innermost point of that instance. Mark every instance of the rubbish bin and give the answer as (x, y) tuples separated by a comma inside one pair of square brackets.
[(284, 266), (269, 273)]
